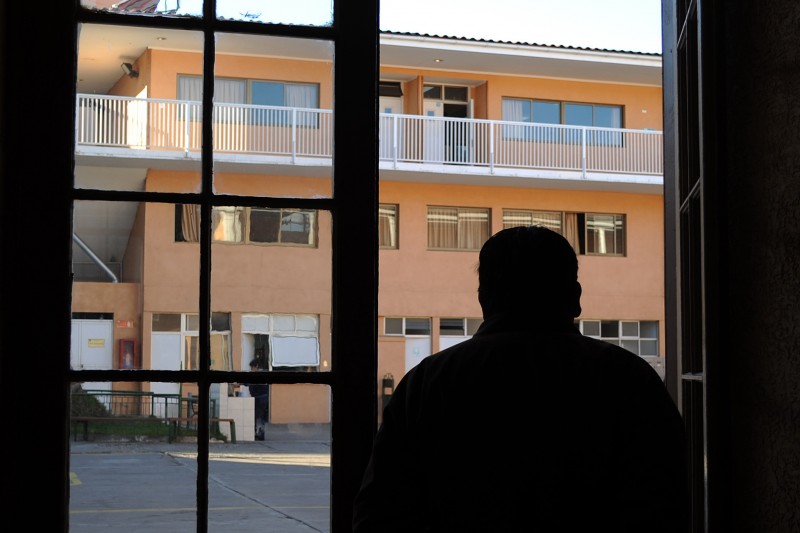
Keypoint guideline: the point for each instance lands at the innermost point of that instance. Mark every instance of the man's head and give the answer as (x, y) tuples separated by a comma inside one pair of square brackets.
[(530, 270)]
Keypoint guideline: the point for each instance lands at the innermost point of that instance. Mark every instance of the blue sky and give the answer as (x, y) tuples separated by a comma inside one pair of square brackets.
[(631, 25)]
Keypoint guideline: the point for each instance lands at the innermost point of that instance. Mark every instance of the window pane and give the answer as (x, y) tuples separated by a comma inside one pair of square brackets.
[(591, 328), (547, 112), (451, 326), (166, 322), (267, 93), (432, 91), (393, 326), (442, 227), (513, 218), (648, 347), (605, 234), (134, 116), (473, 324), (458, 94), (387, 226), (649, 329), (578, 114), (607, 116), (473, 228), (630, 345), (609, 329), (265, 225), (630, 329), (227, 224), (418, 326)]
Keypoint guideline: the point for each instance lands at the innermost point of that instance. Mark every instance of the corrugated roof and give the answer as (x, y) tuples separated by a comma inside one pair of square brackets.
[(517, 43)]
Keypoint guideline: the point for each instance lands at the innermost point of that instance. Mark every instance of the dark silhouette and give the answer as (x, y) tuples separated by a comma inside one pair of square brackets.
[(529, 425), (259, 391)]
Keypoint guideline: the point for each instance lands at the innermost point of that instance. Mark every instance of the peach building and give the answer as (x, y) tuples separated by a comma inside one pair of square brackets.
[(475, 136)]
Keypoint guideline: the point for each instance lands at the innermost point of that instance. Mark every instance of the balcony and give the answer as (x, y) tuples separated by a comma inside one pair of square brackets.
[(249, 138)]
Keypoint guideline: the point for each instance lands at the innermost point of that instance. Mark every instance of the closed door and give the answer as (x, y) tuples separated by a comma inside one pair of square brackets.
[(417, 349), (92, 348)]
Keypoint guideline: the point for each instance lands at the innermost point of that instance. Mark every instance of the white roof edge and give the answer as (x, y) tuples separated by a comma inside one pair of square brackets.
[(640, 59)]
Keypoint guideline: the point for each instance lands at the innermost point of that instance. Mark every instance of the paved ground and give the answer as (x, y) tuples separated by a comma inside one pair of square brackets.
[(279, 485)]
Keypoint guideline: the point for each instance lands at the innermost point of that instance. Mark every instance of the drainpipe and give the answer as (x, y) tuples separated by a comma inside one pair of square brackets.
[(93, 257)]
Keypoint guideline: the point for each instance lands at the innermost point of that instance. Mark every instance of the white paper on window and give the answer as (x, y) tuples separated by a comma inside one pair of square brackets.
[(294, 351)]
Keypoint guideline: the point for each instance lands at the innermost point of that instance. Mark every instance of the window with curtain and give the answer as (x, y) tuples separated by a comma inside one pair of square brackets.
[(387, 225), (270, 94), (231, 224), (540, 113), (457, 228), (588, 233)]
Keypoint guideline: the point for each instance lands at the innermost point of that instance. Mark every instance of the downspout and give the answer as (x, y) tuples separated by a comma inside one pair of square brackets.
[(93, 257)]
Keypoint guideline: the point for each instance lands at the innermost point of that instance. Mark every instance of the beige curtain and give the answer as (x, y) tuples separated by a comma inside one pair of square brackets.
[(473, 228), (571, 230), (443, 227), (190, 222)]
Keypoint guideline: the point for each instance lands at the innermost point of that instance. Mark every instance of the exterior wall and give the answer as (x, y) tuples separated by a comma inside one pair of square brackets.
[(414, 281), (642, 107)]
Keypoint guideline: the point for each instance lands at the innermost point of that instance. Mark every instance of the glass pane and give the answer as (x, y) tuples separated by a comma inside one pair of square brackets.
[(277, 139), (276, 289), (418, 326), (451, 326), (630, 329), (457, 94), (578, 114), (132, 448), (649, 329), (277, 476), (432, 91), (135, 131), (305, 12), (609, 329), (547, 112), (473, 324), (591, 328), (648, 347), (607, 116), (630, 345), (393, 326)]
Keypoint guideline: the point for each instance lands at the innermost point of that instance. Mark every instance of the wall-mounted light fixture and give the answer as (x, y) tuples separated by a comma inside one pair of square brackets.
[(127, 68)]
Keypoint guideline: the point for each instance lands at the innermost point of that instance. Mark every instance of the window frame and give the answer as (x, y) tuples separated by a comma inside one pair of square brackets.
[(596, 135), (394, 229), (458, 212)]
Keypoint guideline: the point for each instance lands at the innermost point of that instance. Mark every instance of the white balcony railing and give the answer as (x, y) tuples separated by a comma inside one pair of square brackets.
[(153, 124)]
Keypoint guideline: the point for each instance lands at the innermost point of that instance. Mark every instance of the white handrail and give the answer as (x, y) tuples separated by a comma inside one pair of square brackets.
[(160, 124)]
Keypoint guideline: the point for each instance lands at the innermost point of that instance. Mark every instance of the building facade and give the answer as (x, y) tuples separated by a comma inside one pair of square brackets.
[(474, 136)]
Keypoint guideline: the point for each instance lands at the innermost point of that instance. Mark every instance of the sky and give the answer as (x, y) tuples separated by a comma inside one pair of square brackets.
[(629, 25)]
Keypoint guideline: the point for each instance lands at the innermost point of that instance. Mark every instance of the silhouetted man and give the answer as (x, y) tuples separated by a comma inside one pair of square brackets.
[(528, 426)]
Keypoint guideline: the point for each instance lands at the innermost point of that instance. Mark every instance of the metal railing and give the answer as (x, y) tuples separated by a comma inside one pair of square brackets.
[(156, 124)]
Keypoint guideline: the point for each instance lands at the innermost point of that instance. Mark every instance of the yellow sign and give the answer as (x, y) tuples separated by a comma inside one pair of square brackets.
[(97, 343)]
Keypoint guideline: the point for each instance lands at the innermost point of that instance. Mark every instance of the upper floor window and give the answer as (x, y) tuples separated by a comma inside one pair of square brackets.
[(255, 225), (256, 93), (387, 225), (589, 233), (457, 228), (566, 113)]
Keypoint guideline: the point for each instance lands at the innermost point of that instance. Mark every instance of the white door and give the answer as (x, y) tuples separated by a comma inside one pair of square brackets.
[(433, 132), (417, 349), (390, 127), (92, 348), (165, 354), (446, 341)]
